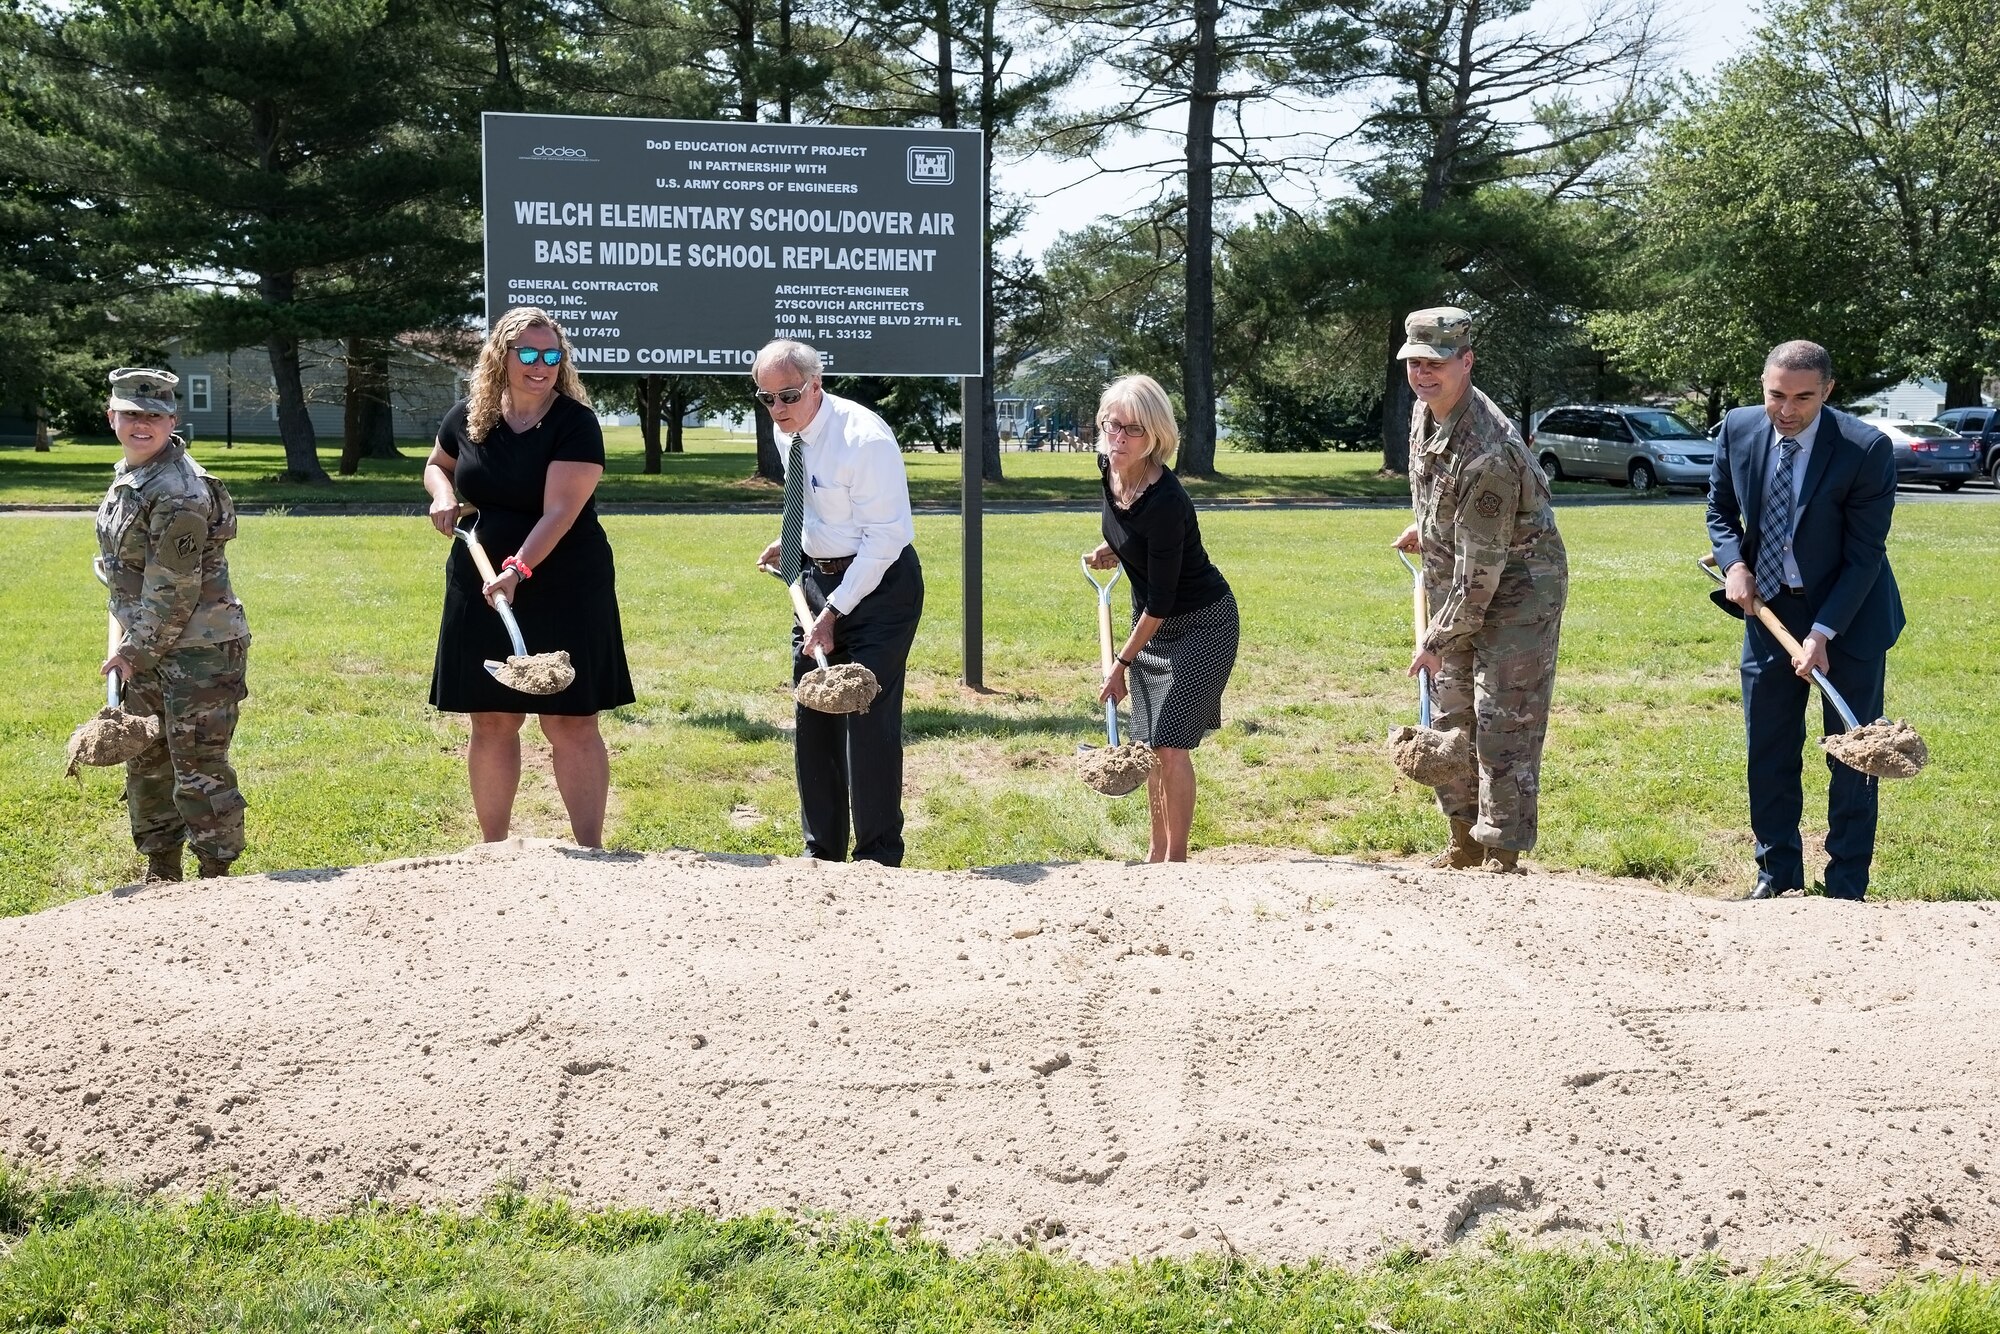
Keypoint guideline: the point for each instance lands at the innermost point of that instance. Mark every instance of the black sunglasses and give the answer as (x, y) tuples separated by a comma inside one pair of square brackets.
[(548, 356), (785, 396)]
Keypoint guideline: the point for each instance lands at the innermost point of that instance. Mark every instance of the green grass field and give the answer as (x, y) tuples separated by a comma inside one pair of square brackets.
[(343, 762), (715, 470), (88, 1260)]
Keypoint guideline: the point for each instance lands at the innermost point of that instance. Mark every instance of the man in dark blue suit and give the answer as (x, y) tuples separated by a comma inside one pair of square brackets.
[(1799, 503)]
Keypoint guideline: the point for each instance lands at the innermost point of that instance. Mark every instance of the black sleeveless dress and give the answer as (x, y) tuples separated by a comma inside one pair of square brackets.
[(572, 602)]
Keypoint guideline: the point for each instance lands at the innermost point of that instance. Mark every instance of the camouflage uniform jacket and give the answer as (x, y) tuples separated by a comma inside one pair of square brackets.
[(1491, 551), (161, 531)]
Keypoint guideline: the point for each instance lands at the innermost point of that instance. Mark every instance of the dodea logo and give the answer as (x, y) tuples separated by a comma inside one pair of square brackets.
[(572, 153)]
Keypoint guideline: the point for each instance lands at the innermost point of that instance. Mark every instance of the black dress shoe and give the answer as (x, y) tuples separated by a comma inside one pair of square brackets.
[(1765, 888)]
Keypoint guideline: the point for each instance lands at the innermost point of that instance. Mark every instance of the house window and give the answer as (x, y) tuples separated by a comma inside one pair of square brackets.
[(198, 393)]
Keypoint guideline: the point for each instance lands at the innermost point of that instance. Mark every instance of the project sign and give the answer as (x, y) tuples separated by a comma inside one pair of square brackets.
[(681, 247)]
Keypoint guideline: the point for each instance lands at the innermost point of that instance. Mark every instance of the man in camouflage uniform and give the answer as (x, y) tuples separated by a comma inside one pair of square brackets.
[(160, 537), (1497, 576)]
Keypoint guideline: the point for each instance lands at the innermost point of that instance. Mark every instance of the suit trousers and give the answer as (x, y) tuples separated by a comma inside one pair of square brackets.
[(1774, 717), (853, 762)]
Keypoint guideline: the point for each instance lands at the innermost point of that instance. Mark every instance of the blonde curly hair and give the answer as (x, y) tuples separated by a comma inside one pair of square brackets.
[(489, 380)]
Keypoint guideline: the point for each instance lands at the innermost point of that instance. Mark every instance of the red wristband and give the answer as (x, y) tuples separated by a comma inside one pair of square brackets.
[(518, 566)]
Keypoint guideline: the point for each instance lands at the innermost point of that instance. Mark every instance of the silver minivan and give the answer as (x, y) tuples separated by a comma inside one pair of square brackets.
[(1641, 446)]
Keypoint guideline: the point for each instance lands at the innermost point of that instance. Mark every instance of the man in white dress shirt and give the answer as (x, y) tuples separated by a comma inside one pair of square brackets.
[(850, 533)]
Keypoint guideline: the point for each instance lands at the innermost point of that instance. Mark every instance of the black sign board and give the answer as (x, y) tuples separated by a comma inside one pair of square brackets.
[(684, 246)]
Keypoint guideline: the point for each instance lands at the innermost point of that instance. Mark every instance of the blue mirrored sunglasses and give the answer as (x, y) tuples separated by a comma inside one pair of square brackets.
[(548, 356)]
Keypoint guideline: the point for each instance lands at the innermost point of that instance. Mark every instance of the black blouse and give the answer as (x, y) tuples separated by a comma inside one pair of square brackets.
[(506, 474), (1158, 541)]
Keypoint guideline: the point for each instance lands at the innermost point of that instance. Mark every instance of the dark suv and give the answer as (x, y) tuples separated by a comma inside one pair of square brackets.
[(1981, 429), (1645, 447)]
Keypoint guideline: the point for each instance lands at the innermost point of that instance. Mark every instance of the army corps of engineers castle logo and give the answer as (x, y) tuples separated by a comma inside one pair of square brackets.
[(930, 166)]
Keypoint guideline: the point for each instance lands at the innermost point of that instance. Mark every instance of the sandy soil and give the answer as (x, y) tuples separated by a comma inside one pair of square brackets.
[(1283, 1058)]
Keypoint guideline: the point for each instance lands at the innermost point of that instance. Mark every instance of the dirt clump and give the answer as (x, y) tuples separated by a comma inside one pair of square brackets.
[(1882, 749), (111, 736), (537, 673), (1116, 770), (845, 687), (1429, 756)]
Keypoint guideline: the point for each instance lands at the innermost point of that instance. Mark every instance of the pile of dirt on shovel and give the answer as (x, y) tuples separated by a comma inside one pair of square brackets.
[(1881, 748), (1116, 770), (1286, 1059), (845, 687), (1428, 756), (111, 736), (537, 673)]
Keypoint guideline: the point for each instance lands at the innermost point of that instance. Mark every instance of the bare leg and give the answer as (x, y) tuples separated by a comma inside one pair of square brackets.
[(583, 773), (1156, 802), (1174, 813), (493, 763)]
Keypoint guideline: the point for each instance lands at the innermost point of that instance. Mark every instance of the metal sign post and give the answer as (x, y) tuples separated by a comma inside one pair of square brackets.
[(681, 247)]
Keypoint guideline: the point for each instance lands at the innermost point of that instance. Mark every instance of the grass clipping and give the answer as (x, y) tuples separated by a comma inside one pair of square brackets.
[(845, 687), (111, 736), (1115, 770), (1881, 749), (534, 674), (1429, 756)]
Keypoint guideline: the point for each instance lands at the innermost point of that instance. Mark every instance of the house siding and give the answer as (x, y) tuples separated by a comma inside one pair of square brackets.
[(421, 390)]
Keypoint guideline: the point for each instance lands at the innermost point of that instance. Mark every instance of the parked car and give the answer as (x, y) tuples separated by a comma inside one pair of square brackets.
[(1643, 447), (1980, 426), (1928, 452)]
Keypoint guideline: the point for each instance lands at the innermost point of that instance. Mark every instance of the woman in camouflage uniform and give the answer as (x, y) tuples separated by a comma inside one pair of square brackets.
[(160, 537)]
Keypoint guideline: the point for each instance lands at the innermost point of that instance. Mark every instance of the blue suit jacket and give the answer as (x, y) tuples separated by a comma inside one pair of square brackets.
[(1841, 540)]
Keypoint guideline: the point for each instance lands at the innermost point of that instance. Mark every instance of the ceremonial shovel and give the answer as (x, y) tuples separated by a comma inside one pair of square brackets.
[(531, 674), (1880, 749), (1116, 770)]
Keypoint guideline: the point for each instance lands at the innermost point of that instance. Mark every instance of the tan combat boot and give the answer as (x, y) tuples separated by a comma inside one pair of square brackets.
[(210, 868), (163, 866), (1503, 861), (1463, 853)]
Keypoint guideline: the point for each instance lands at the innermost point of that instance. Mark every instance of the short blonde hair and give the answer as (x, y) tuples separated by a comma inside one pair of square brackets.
[(489, 380), (1140, 397)]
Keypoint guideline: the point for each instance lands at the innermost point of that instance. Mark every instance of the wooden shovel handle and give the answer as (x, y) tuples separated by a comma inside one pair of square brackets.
[(1766, 616), (803, 610)]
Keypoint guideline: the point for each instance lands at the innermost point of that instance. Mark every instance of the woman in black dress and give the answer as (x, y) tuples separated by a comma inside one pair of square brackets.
[(1184, 624), (527, 450)]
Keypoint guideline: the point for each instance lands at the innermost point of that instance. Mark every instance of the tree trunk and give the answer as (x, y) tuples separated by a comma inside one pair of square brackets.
[(678, 394), (41, 429), (1961, 387), (648, 397), (1197, 452), (770, 466), (1395, 404), (368, 418), (1714, 405), (295, 426)]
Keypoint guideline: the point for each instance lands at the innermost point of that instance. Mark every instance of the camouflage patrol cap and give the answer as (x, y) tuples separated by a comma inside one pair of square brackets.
[(1437, 334), (139, 389)]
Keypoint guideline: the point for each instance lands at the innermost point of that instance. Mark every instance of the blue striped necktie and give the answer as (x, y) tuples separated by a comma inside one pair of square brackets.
[(1774, 534), (791, 536)]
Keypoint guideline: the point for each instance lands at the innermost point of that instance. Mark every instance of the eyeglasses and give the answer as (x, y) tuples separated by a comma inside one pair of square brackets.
[(548, 356), (1130, 430), (785, 396)]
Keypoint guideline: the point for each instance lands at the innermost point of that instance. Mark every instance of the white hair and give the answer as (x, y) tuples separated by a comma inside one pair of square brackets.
[(787, 352)]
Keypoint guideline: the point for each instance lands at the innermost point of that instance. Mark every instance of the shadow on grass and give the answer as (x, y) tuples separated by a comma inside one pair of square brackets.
[(931, 721), (738, 724)]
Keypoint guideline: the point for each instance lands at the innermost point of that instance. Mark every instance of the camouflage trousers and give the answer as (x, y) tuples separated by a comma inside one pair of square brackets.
[(1499, 690), (182, 788)]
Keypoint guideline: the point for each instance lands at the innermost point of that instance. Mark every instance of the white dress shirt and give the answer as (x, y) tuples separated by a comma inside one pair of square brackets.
[(1772, 458), (857, 497)]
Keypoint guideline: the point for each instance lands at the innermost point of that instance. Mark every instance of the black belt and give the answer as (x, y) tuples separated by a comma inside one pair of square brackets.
[(831, 565), (1795, 592)]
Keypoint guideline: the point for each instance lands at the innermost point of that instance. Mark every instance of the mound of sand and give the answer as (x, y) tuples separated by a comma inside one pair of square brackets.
[(1285, 1058)]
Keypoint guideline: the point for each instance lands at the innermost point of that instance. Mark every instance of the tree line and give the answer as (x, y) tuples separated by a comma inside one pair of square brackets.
[(273, 173)]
